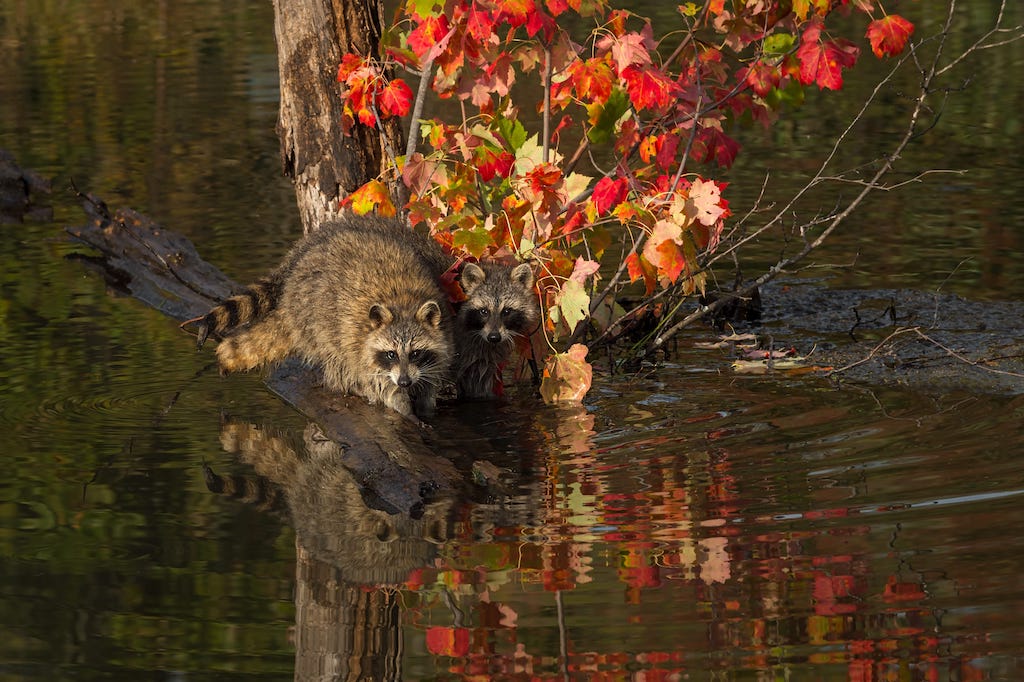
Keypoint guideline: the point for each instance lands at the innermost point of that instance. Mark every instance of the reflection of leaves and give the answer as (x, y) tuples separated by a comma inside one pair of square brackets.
[(443, 641), (795, 364)]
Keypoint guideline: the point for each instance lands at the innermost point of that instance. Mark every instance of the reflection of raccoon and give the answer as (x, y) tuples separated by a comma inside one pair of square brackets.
[(332, 517), (357, 297), (500, 308)]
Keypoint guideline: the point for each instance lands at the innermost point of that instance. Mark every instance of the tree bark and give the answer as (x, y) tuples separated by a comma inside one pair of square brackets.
[(325, 164)]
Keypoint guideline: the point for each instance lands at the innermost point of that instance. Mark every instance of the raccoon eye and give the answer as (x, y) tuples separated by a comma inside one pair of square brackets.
[(483, 312), (507, 312), (415, 355), (390, 355)]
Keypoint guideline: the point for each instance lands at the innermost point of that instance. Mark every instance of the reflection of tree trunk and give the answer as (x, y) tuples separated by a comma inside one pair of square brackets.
[(324, 164), (343, 631)]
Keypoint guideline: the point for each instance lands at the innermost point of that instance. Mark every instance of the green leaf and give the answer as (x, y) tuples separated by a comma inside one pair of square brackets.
[(609, 114), (513, 131), (423, 8), (475, 241), (574, 302), (778, 44)]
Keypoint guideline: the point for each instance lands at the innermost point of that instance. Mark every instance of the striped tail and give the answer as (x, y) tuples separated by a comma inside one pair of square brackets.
[(256, 302)]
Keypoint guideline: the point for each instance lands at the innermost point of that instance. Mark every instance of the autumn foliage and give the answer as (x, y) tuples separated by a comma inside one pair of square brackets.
[(580, 137)]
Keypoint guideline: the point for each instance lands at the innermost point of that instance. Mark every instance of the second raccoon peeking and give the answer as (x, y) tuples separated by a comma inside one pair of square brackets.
[(361, 298)]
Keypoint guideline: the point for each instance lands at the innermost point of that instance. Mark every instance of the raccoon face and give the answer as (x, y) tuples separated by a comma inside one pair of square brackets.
[(408, 349), (500, 304)]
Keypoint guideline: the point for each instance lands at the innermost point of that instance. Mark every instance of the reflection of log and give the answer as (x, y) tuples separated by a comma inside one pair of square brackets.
[(386, 453), (20, 191)]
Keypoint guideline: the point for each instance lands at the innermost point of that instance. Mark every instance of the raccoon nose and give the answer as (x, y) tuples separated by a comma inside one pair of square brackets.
[(404, 381), (494, 337)]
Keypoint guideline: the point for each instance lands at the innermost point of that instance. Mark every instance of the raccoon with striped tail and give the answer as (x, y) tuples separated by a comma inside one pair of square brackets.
[(355, 298), (500, 308)]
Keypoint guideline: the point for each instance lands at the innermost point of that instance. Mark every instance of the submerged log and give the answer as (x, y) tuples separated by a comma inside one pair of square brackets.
[(388, 455)]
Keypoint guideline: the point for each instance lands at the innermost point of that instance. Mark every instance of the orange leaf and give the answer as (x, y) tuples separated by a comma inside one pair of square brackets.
[(372, 195), (567, 376)]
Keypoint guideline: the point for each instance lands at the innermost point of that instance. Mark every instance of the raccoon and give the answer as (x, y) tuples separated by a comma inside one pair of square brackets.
[(500, 307), (359, 300)]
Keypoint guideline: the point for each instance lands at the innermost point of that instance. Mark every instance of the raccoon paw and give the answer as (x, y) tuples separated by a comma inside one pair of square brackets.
[(233, 356)]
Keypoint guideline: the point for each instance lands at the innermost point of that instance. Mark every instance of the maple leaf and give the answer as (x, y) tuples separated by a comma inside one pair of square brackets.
[(591, 79), (703, 202), (630, 49), (671, 260), (762, 77), (370, 196), (608, 193), (638, 267), (491, 164), (557, 7), (889, 35), (573, 303), (427, 34), (711, 144), (823, 62), (583, 269), (648, 88), (662, 248), (515, 12), (479, 23), (419, 173), (395, 98), (567, 376)]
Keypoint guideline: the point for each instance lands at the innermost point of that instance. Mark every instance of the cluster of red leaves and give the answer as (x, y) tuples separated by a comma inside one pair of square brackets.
[(368, 97), (490, 188)]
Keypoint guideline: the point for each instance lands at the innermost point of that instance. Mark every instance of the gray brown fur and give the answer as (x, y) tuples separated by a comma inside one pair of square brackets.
[(500, 306), (358, 298)]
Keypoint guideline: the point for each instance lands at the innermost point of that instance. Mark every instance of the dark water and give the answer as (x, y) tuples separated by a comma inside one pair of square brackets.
[(687, 523)]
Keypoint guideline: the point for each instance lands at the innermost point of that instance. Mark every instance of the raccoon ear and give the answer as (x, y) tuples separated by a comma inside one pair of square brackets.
[(523, 275), (379, 315), (472, 276), (430, 313)]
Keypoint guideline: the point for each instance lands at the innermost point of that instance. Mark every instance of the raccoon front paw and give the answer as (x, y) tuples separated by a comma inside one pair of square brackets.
[(235, 357)]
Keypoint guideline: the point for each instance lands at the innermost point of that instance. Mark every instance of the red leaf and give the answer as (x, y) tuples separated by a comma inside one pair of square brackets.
[(427, 34), (648, 88), (490, 164), (711, 144), (889, 35), (823, 62), (396, 98), (763, 78), (556, 7), (608, 193), (638, 267), (591, 79), (515, 12), (479, 23)]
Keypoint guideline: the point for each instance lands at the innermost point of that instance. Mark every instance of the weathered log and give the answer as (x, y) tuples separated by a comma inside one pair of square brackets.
[(387, 454)]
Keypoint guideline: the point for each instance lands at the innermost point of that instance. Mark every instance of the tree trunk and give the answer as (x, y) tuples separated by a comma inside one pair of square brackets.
[(324, 164)]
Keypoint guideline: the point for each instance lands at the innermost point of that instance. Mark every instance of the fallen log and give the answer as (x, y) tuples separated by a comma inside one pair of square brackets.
[(390, 457)]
